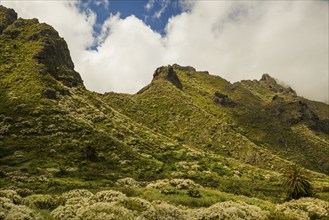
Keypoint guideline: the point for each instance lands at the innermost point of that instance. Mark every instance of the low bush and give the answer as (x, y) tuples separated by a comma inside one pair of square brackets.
[(41, 201), (128, 182), (195, 193), (232, 210), (11, 194), (305, 208)]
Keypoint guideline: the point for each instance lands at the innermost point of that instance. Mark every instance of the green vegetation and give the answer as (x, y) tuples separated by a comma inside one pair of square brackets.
[(189, 145), (296, 183)]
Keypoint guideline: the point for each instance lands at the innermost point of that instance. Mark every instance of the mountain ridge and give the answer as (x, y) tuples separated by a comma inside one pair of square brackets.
[(236, 138)]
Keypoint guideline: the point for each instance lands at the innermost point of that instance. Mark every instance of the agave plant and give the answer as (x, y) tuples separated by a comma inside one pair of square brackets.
[(296, 183)]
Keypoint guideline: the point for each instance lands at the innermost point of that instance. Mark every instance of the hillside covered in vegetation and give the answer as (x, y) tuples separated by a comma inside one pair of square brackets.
[(190, 145)]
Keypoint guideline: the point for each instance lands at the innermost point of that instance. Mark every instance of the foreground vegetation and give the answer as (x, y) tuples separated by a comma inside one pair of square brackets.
[(163, 199)]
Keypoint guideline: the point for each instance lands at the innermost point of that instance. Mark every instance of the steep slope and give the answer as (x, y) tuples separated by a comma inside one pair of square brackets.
[(55, 135), (252, 120), (51, 125)]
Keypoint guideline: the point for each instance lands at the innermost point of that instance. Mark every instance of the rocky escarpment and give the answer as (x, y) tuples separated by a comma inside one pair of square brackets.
[(43, 45), (274, 86), (7, 17), (167, 73)]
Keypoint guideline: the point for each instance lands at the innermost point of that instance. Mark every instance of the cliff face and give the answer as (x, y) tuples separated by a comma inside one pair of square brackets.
[(35, 53)]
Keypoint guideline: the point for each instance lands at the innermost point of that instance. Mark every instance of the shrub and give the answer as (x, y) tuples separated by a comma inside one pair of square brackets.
[(232, 210), (10, 211), (137, 204), (11, 194), (169, 191), (184, 184), (21, 212), (305, 208), (65, 212), (158, 184), (41, 201), (128, 182), (101, 211), (164, 211), (109, 196), (195, 193), (24, 192), (178, 183), (76, 193)]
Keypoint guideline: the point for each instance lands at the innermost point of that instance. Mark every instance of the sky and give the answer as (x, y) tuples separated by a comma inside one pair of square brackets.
[(116, 44)]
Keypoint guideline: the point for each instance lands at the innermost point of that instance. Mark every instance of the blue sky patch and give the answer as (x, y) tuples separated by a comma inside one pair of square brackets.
[(154, 13)]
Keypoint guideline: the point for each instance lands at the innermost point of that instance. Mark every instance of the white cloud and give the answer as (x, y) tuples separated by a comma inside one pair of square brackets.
[(163, 6), (237, 40), (149, 5)]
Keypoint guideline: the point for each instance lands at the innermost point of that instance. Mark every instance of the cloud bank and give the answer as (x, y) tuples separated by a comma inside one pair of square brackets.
[(236, 40)]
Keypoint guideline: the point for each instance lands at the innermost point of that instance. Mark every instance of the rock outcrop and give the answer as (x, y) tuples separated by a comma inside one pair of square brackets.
[(223, 100), (167, 73), (7, 17), (274, 86)]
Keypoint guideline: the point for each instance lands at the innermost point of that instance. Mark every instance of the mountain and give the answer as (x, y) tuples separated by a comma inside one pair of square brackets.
[(186, 126), (252, 121)]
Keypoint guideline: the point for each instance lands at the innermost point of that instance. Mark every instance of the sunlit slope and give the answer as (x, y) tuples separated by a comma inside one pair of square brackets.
[(249, 120)]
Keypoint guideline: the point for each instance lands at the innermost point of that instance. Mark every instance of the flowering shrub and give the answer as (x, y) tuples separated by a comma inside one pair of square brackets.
[(169, 190), (102, 210), (305, 208), (10, 211), (137, 205), (66, 212), (158, 184), (164, 211), (128, 182), (41, 201), (178, 183), (184, 184), (232, 210), (11, 194), (21, 212), (109, 196), (76, 193)]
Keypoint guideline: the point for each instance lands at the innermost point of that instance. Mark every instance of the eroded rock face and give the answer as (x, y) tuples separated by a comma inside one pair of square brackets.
[(184, 68), (7, 17), (223, 100), (167, 73), (50, 49), (274, 86)]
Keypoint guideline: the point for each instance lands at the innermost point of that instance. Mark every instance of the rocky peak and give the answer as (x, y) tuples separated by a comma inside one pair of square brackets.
[(46, 46), (167, 73), (7, 17), (184, 68), (268, 79), (274, 86)]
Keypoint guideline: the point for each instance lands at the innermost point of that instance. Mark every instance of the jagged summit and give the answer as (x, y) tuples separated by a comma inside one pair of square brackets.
[(40, 56), (274, 85), (7, 17), (167, 73)]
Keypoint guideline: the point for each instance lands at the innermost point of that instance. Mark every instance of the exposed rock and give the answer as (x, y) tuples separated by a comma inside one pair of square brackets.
[(55, 55), (7, 17), (168, 73), (184, 68), (274, 86), (277, 98), (223, 100)]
